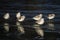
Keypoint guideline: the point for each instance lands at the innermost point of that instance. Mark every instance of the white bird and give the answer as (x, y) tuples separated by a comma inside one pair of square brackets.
[(41, 21), (37, 17), (51, 16), (19, 17), (6, 16)]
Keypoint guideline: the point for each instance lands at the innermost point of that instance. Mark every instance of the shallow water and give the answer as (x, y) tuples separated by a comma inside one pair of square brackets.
[(12, 30), (22, 31)]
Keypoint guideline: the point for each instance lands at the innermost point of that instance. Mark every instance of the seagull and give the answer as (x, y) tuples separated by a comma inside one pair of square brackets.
[(6, 16), (41, 21), (51, 16), (37, 17), (19, 17)]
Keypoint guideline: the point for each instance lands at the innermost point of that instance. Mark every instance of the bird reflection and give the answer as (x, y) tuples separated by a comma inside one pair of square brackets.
[(6, 16), (6, 27), (20, 28), (19, 17), (39, 30), (51, 25)]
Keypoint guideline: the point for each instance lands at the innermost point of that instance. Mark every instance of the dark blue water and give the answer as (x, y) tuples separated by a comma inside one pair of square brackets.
[(51, 32), (30, 8)]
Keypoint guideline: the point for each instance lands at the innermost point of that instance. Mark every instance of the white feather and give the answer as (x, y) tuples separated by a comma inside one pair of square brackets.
[(41, 21), (22, 18), (51, 16), (6, 16), (37, 17), (18, 15)]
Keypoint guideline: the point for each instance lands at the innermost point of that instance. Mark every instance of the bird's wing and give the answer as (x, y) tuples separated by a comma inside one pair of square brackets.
[(6, 15), (18, 15)]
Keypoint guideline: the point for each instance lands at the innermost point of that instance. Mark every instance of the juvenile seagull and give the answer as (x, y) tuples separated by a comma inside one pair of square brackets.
[(19, 17), (51, 16), (37, 17), (41, 21), (6, 16)]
